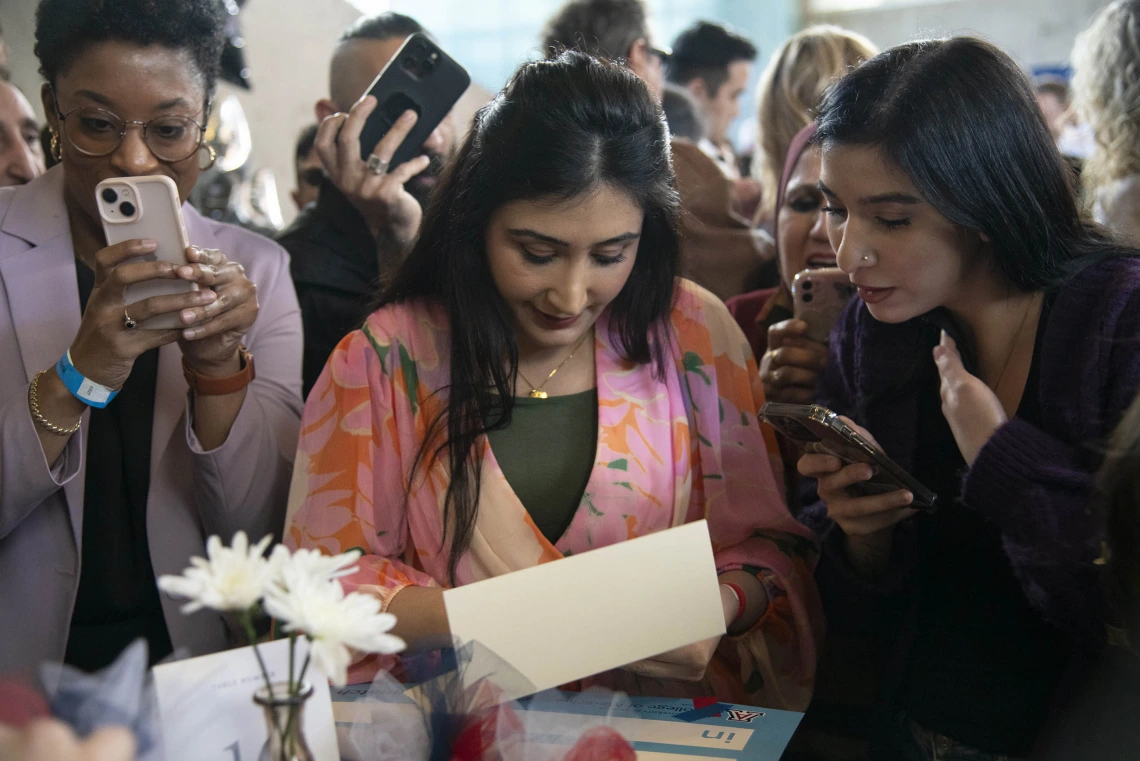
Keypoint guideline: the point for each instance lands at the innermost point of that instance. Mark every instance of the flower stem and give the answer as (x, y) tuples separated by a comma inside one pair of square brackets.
[(294, 688), (305, 666), (251, 633)]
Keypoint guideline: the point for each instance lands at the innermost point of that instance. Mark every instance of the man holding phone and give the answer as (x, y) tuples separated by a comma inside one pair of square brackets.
[(366, 214)]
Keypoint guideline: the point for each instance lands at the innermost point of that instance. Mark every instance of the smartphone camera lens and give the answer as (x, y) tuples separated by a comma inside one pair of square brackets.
[(109, 195), (807, 285), (807, 296), (127, 208)]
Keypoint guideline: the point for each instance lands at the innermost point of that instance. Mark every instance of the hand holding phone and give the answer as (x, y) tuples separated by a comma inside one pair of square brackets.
[(380, 197), (372, 153), (790, 368), (818, 298), (148, 208), (865, 490)]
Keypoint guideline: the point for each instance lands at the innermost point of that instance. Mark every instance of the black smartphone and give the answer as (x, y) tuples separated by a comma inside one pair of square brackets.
[(813, 424), (421, 78)]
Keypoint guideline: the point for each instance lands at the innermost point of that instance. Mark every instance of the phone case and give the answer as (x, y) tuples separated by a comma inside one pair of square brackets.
[(813, 424), (147, 207), (421, 78), (818, 298)]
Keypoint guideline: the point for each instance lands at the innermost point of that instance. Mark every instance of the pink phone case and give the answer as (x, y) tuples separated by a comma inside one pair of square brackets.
[(147, 208), (818, 297)]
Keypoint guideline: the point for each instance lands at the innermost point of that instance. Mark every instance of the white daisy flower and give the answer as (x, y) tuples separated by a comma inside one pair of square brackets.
[(232, 578), (335, 623), (313, 564)]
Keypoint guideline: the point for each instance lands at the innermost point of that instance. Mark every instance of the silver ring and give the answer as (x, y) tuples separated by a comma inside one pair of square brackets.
[(377, 165), (128, 323)]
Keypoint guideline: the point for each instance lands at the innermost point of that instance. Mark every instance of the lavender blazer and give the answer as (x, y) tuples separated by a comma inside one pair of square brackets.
[(193, 493)]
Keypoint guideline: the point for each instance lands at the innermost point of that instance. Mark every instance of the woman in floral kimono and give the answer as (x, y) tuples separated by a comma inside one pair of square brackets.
[(536, 383)]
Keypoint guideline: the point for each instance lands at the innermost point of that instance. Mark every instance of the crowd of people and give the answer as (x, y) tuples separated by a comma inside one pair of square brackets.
[(554, 330)]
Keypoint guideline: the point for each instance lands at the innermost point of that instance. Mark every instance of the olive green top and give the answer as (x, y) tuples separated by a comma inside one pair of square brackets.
[(547, 454)]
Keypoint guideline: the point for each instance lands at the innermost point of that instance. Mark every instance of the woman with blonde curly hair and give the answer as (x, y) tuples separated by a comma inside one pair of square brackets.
[(791, 88), (1106, 84)]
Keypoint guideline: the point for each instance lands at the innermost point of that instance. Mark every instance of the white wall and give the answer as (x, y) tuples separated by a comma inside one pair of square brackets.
[(1033, 31)]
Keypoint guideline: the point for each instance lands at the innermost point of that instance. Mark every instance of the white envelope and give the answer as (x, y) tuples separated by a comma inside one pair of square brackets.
[(593, 612), (207, 707)]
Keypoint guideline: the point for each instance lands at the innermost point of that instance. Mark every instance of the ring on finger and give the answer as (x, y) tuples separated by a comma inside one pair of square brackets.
[(377, 165), (128, 323)]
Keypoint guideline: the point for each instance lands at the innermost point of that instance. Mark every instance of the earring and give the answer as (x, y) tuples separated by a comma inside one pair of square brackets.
[(213, 157), (54, 147)]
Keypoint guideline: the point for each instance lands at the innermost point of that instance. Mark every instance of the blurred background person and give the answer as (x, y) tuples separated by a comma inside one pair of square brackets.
[(719, 250), (683, 114), (617, 30), (791, 89), (1053, 98), (1099, 722), (715, 64), (362, 224), (21, 153), (1106, 89), (5, 72), (309, 170)]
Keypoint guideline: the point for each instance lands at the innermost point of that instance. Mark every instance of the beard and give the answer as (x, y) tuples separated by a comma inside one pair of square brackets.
[(421, 186)]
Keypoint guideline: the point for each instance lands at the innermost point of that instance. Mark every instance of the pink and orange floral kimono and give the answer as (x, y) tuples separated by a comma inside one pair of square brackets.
[(668, 453)]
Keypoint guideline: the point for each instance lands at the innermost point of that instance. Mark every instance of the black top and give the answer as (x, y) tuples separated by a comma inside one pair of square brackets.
[(984, 666), (118, 599), (336, 272)]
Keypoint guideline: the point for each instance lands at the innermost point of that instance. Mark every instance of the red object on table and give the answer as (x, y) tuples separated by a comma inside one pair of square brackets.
[(20, 704), (480, 739), (601, 744), (486, 737)]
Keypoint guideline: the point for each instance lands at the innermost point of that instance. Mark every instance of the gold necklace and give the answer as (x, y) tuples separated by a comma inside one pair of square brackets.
[(536, 392)]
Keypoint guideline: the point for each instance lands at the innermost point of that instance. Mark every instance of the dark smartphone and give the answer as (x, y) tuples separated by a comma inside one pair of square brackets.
[(813, 424), (420, 78)]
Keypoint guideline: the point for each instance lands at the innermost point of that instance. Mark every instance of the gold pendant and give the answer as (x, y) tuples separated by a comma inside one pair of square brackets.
[(538, 394)]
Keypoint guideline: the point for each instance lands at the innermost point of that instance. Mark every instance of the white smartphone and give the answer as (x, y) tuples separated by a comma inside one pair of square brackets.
[(147, 208), (818, 298)]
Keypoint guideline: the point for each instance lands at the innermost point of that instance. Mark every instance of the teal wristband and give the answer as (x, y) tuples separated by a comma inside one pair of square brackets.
[(84, 389)]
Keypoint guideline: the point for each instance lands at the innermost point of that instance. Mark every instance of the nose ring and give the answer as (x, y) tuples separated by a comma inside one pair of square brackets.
[(866, 257)]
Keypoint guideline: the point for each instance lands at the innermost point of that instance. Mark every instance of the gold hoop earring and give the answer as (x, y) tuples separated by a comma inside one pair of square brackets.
[(213, 157), (56, 150)]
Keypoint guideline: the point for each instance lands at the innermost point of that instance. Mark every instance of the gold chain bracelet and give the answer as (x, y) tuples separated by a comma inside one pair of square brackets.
[(34, 403)]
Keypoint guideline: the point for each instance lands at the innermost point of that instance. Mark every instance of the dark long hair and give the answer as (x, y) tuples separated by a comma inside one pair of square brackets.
[(559, 130), (961, 120)]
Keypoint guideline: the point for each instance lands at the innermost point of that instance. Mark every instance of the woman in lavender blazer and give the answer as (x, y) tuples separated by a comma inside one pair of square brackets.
[(96, 501), (995, 345)]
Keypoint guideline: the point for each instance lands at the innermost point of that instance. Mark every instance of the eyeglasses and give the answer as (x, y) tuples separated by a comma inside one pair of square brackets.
[(96, 132)]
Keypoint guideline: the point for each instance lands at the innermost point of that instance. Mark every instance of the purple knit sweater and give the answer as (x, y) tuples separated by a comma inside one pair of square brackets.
[(1034, 483)]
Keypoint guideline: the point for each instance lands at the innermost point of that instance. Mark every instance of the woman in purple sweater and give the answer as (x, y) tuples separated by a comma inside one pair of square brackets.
[(995, 345)]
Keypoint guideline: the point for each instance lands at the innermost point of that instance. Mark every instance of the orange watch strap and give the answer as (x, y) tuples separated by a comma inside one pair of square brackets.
[(206, 385)]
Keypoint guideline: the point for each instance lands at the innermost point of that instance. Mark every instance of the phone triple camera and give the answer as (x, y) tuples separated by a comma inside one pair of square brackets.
[(420, 61)]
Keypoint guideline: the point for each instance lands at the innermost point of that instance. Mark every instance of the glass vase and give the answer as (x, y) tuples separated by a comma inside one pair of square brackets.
[(284, 720)]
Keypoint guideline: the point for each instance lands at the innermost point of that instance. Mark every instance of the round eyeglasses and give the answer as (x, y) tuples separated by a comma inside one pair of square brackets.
[(96, 132)]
